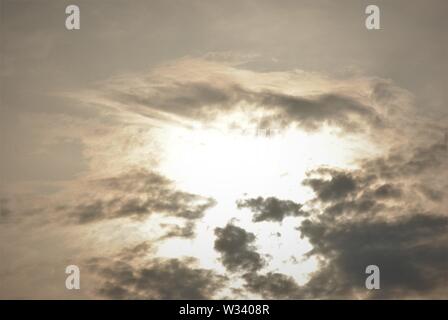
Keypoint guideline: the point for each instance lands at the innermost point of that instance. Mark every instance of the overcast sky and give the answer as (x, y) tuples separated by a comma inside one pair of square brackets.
[(223, 149)]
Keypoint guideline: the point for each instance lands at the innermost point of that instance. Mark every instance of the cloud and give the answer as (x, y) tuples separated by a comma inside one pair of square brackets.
[(388, 212), (176, 231), (271, 208), (272, 286), (190, 99), (376, 215), (138, 194), (410, 252), (237, 250), (5, 210), (158, 278), (202, 90), (339, 186), (385, 195), (388, 187), (416, 161), (86, 213), (387, 191), (340, 193), (312, 112)]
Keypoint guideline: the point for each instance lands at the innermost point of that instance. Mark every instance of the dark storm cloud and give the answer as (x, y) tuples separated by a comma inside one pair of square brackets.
[(138, 194), (271, 209), (237, 250), (170, 279)]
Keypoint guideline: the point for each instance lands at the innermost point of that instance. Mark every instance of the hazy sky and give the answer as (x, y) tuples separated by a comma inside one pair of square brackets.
[(223, 149)]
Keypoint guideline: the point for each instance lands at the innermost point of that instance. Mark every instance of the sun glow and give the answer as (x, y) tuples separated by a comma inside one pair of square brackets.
[(229, 164)]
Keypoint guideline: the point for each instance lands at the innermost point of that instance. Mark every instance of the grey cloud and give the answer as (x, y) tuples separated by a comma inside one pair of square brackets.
[(271, 208), (138, 194), (171, 279), (339, 186), (237, 250), (342, 193), (415, 162), (382, 92), (411, 253), (176, 231), (133, 253), (205, 101), (5, 210), (138, 180), (388, 191), (311, 112), (374, 215), (192, 99), (273, 286), (86, 213), (368, 200), (359, 206)]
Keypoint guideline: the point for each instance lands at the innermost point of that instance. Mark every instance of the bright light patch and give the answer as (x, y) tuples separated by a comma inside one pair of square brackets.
[(231, 163)]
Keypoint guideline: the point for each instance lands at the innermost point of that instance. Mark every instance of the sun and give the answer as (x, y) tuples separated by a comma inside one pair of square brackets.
[(224, 162)]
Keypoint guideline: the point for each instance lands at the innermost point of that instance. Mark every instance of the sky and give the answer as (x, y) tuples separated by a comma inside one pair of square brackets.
[(244, 149)]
